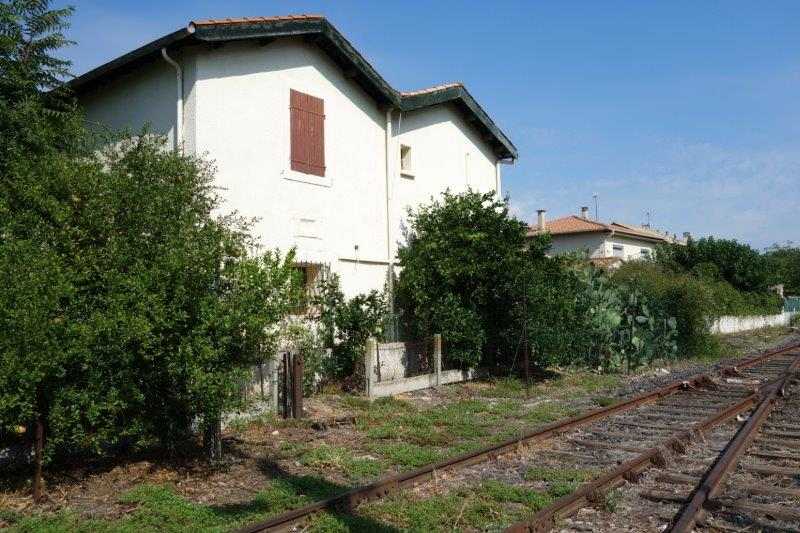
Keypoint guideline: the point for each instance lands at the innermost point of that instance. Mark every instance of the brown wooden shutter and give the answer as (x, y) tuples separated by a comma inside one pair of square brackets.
[(308, 133)]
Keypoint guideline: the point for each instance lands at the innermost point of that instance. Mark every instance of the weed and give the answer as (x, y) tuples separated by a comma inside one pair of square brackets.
[(604, 401), (611, 501), (551, 475), (341, 459), (407, 455)]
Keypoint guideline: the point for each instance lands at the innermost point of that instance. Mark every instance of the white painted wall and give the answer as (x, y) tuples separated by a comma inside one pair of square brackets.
[(736, 324), (446, 153), (236, 112), (601, 245), (631, 247), (592, 243), (134, 100)]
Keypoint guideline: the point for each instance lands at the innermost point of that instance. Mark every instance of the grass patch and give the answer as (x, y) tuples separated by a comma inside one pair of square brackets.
[(160, 509), (341, 459), (407, 455), (604, 401), (488, 506), (549, 412), (551, 475)]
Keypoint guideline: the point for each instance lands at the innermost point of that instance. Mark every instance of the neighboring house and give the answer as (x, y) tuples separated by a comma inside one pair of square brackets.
[(304, 133), (607, 245)]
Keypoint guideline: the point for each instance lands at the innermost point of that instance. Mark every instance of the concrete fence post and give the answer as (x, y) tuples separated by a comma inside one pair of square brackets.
[(437, 357), (370, 360)]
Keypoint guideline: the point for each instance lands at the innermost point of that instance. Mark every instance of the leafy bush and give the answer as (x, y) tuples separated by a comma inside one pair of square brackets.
[(729, 260), (345, 326), (128, 311), (460, 270), (784, 267), (682, 296)]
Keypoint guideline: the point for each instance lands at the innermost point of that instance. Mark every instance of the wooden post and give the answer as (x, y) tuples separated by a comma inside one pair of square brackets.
[(38, 450), (297, 385), (437, 357), (287, 383), (370, 357)]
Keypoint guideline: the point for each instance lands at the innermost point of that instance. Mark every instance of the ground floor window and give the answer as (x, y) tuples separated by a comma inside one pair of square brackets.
[(310, 274), (618, 250)]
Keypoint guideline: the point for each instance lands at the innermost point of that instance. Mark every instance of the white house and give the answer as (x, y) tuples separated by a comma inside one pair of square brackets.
[(607, 244), (305, 134)]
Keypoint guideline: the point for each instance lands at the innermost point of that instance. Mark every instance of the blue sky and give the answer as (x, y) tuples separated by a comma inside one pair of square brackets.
[(689, 110)]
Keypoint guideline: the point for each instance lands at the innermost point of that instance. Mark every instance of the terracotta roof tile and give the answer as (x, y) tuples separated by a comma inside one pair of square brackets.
[(242, 20), (572, 224), (576, 224)]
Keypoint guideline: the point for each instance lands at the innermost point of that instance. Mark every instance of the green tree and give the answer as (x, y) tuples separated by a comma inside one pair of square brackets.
[(129, 310), (784, 267), (460, 274), (735, 262)]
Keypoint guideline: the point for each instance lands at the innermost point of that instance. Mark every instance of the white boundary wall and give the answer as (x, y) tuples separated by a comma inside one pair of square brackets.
[(736, 324), (398, 385)]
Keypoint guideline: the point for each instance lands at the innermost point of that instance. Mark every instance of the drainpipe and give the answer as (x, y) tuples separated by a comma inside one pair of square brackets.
[(389, 254), (497, 178), (179, 111)]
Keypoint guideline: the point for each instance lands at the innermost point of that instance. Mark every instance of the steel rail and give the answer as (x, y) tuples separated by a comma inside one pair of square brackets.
[(715, 478), (349, 500), (593, 491)]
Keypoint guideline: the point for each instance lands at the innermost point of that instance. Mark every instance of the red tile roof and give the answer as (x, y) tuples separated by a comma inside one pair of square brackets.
[(576, 224), (243, 20), (572, 224)]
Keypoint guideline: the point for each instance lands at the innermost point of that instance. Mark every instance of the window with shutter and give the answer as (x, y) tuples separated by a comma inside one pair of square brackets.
[(307, 133)]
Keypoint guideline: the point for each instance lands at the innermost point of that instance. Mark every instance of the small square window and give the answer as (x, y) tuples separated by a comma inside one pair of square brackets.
[(405, 161)]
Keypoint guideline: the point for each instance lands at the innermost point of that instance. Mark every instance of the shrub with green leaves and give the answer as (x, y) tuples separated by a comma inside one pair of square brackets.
[(130, 311), (460, 273), (345, 326)]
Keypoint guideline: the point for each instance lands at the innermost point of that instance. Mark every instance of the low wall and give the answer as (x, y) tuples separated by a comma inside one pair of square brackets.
[(391, 387), (736, 324), (386, 369)]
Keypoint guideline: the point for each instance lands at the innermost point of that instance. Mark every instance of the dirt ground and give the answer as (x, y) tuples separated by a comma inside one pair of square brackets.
[(345, 454)]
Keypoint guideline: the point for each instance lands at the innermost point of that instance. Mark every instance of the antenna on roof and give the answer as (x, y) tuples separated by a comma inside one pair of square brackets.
[(647, 217), (596, 208)]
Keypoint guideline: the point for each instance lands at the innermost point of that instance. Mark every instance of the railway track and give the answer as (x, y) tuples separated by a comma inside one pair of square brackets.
[(673, 494), (614, 445)]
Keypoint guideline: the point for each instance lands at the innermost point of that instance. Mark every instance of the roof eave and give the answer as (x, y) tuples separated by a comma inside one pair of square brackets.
[(87, 79), (321, 32), (459, 95)]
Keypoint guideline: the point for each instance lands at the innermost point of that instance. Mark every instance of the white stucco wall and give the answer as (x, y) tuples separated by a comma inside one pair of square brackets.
[(601, 245), (236, 113), (736, 324), (631, 248), (592, 243), (446, 153), (144, 97)]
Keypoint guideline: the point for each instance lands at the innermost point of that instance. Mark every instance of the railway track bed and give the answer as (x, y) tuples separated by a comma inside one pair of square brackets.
[(660, 442)]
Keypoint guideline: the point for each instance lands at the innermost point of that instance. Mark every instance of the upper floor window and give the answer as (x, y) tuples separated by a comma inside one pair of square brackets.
[(405, 161), (307, 121)]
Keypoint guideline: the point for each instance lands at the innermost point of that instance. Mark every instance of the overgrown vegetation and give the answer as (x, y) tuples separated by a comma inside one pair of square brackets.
[(783, 261), (345, 325), (469, 272), (129, 312), (460, 272)]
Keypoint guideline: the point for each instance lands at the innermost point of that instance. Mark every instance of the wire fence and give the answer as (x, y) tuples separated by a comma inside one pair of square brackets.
[(791, 304)]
